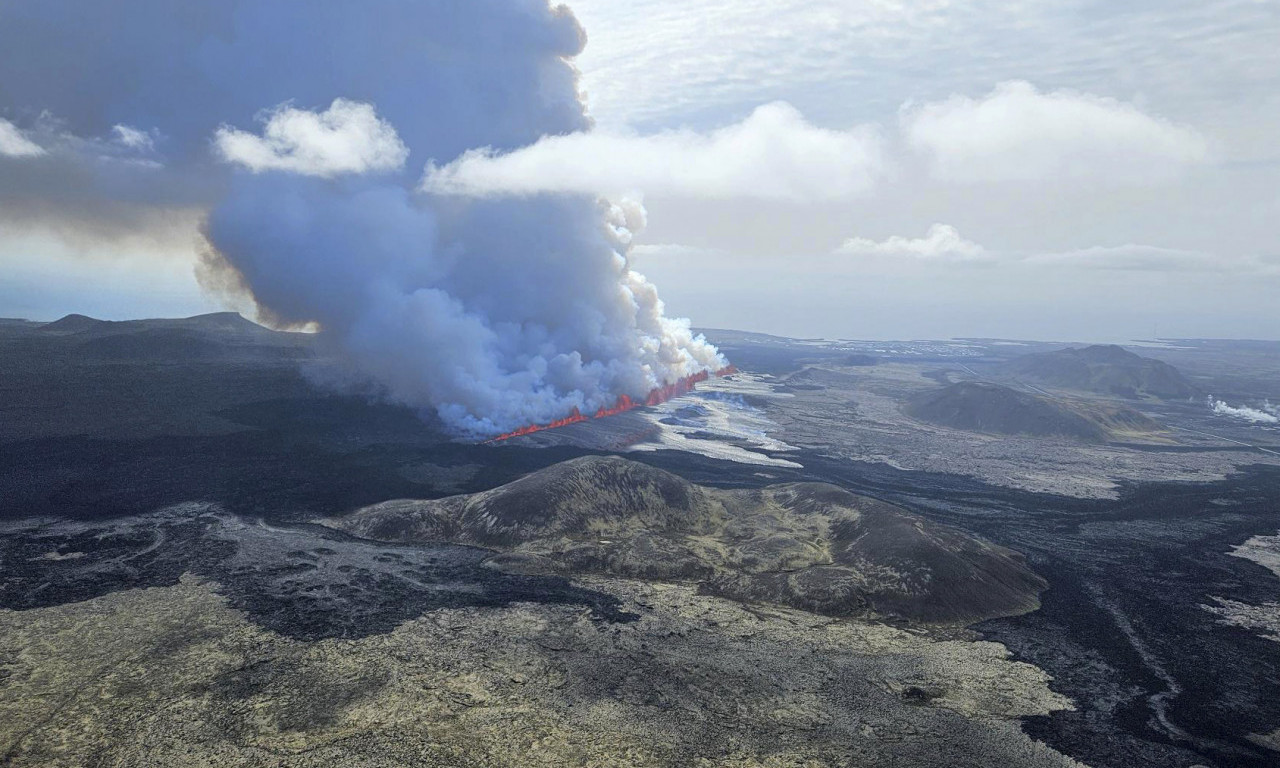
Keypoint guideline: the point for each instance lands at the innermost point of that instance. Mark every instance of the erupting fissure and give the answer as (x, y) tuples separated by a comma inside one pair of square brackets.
[(624, 403)]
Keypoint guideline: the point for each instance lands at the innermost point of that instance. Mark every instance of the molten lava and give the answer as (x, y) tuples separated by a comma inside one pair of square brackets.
[(624, 403)]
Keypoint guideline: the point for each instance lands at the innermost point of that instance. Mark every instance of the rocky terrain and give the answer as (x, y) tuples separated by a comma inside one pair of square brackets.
[(812, 546), (174, 678)]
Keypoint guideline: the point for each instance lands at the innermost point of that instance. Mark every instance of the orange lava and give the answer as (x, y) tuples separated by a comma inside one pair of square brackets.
[(624, 403)]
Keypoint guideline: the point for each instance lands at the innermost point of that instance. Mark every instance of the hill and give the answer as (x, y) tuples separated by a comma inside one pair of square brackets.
[(214, 322), (808, 545), (74, 324), (996, 409), (1106, 369)]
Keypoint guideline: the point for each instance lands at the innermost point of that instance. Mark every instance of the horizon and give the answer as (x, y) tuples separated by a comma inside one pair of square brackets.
[(1138, 341)]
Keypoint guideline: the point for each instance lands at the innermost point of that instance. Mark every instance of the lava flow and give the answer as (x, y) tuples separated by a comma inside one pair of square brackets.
[(624, 403)]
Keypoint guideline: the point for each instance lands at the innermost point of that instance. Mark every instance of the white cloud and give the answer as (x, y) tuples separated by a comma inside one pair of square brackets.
[(13, 143), (941, 243), (132, 138), (658, 61), (348, 137), (774, 154), (1017, 133)]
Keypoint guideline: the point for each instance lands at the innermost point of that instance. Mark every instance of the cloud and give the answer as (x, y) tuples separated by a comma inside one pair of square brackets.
[(132, 138), (773, 154), (348, 137), (1017, 133), (14, 143), (654, 61), (941, 243), (1244, 412), (227, 60)]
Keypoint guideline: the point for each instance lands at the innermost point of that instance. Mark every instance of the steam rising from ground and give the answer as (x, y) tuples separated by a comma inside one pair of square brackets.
[(1267, 414), (300, 127)]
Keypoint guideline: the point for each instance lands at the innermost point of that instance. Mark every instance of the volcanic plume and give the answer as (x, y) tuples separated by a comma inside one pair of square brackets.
[(306, 151)]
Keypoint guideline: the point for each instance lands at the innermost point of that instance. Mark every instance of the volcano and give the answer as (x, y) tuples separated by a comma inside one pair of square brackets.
[(624, 403)]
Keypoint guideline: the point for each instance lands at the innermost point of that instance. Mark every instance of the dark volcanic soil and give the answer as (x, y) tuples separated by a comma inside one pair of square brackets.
[(305, 582), (96, 444), (1156, 679)]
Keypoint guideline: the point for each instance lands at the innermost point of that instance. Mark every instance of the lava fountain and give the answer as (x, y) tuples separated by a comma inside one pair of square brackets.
[(624, 403)]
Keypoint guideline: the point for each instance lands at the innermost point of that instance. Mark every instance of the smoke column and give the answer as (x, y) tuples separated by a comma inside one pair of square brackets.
[(304, 128)]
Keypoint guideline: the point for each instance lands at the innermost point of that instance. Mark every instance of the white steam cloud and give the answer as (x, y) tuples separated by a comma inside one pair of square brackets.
[(1017, 133), (773, 154), (348, 137), (1268, 414), (14, 143)]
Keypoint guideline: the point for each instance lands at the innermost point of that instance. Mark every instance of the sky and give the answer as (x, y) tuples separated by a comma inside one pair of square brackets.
[(1085, 171)]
